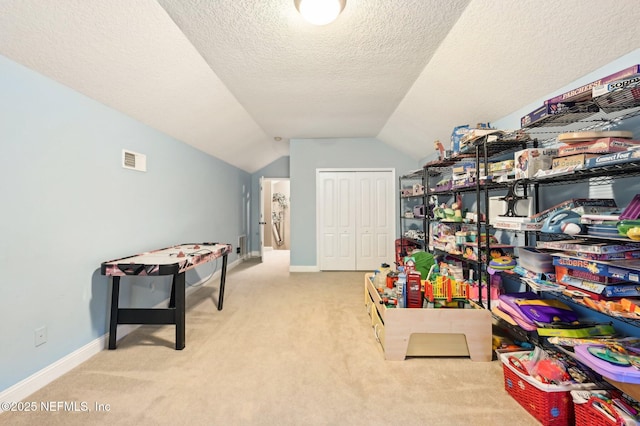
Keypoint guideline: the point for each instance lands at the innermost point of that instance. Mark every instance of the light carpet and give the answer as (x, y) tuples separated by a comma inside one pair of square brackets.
[(287, 349)]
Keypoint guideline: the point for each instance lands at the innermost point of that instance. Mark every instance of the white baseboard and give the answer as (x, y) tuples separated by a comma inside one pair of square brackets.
[(40, 379), (26, 387)]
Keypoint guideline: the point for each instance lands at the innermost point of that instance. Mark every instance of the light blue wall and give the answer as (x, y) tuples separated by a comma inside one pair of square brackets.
[(307, 155), (277, 169), (68, 205)]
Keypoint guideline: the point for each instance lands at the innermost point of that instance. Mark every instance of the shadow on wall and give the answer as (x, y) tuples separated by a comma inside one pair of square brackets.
[(100, 302)]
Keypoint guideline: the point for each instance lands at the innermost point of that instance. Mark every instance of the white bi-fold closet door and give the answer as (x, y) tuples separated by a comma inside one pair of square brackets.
[(356, 225)]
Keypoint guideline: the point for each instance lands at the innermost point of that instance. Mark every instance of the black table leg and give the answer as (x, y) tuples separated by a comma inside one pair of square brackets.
[(223, 278), (115, 293), (172, 298), (180, 297)]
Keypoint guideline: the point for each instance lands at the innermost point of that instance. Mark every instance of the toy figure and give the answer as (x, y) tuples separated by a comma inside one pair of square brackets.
[(469, 254), (440, 148), (457, 213), (496, 252)]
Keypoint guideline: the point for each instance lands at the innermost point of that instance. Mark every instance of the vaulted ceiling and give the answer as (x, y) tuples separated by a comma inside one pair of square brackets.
[(230, 76)]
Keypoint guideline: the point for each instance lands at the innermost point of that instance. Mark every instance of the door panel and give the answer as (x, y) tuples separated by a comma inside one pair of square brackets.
[(337, 222), (376, 228), (355, 220)]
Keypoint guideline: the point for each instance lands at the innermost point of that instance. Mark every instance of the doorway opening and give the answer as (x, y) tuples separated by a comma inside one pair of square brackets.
[(275, 220)]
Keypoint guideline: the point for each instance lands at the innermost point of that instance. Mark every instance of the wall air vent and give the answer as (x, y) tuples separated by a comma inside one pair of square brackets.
[(134, 161)]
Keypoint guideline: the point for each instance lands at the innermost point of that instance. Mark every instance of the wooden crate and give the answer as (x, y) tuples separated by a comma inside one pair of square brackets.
[(406, 332)]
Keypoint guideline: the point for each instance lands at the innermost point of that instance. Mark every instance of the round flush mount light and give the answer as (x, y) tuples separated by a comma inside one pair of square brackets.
[(320, 12)]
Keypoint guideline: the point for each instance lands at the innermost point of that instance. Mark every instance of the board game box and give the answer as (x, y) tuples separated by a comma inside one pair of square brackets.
[(584, 246), (588, 205), (529, 161), (571, 160), (604, 89), (615, 158), (599, 146), (546, 113), (611, 256), (585, 92), (626, 270), (619, 95)]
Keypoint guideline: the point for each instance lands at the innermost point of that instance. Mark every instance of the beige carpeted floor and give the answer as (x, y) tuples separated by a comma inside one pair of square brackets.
[(287, 349)]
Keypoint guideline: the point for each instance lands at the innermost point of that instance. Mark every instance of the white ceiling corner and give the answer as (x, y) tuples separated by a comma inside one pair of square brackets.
[(227, 76)]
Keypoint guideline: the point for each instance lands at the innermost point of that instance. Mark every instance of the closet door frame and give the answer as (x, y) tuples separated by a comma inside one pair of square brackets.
[(319, 204)]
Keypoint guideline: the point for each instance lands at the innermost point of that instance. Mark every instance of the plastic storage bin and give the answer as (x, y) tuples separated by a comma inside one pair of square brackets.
[(549, 404)]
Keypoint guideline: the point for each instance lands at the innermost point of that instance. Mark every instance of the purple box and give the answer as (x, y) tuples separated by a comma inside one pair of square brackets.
[(584, 92), (547, 112)]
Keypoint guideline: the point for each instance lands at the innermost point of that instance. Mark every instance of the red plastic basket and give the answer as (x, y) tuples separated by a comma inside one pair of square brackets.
[(587, 414), (549, 404)]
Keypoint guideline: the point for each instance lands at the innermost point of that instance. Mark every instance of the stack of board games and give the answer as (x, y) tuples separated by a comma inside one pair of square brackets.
[(618, 95), (576, 104), (579, 147), (598, 270), (581, 206)]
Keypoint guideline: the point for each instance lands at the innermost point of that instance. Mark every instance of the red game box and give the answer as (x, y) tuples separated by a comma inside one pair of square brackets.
[(599, 146)]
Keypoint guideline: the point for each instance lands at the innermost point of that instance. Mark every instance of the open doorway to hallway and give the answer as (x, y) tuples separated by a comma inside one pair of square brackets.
[(276, 258), (276, 217)]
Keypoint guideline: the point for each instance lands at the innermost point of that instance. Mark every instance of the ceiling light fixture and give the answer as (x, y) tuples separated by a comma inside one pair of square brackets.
[(320, 12)]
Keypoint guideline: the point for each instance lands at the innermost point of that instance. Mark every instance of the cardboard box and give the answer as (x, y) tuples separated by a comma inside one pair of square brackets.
[(626, 270), (584, 246), (571, 160), (599, 146), (504, 223), (463, 167), (584, 92), (463, 182), (615, 158), (547, 114), (604, 89), (618, 95), (506, 165), (591, 204), (529, 161)]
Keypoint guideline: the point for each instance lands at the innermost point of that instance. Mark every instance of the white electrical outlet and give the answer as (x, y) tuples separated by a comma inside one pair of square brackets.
[(40, 336)]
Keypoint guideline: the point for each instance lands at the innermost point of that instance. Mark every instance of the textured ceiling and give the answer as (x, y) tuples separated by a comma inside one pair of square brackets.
[(227, 76)]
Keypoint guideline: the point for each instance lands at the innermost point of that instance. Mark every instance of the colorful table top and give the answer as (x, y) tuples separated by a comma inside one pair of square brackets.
[(166, 261)]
